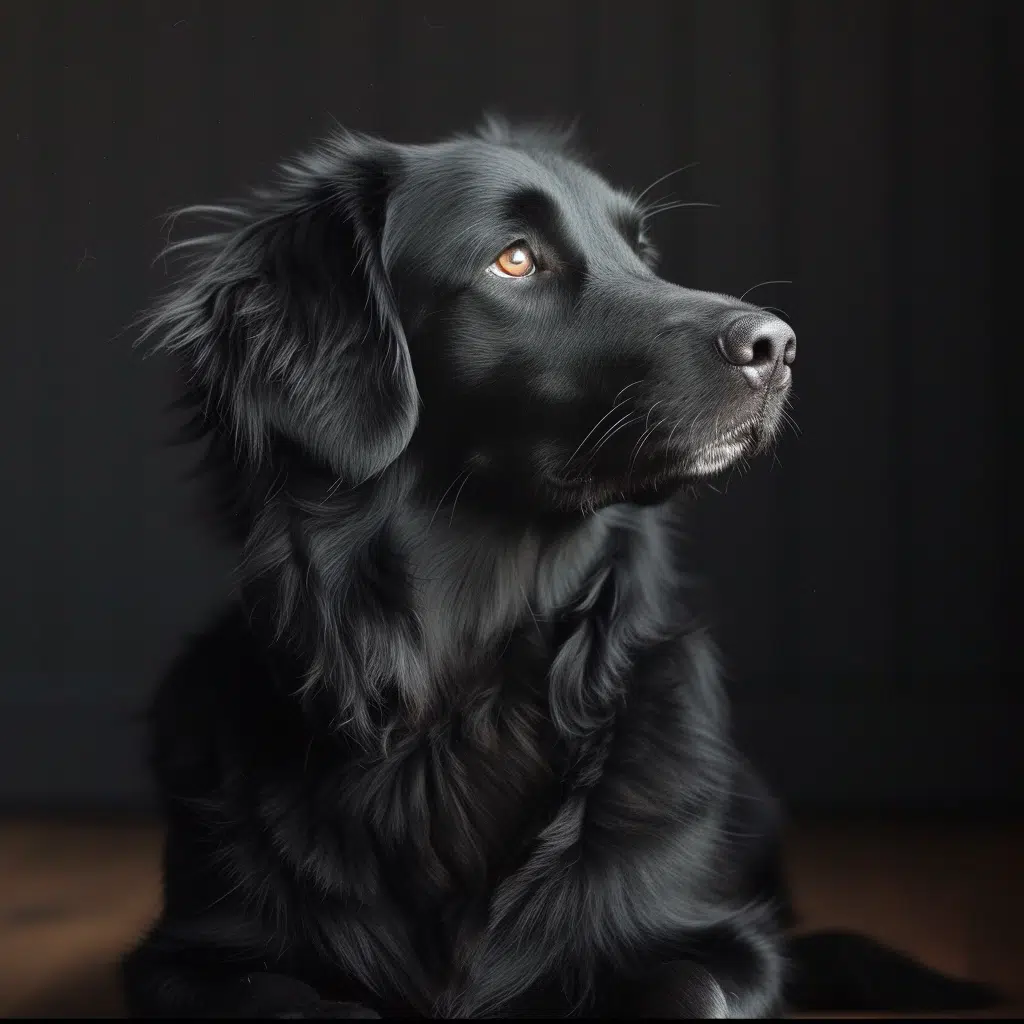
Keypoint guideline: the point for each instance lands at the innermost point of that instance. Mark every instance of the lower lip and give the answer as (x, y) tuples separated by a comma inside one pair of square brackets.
[(732, 435)]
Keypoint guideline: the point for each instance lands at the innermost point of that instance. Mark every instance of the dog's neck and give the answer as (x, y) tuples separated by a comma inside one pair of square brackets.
[(475, 581), (392, 589)]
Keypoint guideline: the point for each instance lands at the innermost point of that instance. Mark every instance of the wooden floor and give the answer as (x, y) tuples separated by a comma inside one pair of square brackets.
[(73, 896)]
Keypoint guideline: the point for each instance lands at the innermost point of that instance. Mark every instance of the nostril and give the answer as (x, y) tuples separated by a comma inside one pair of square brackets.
[(724, 351), (763, 351), (789, 356)]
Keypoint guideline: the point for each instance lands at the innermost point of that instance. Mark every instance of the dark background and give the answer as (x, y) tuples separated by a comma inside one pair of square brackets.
[(858, 583)]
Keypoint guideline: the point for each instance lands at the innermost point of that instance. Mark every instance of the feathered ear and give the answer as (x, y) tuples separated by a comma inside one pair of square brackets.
[(286, 319)]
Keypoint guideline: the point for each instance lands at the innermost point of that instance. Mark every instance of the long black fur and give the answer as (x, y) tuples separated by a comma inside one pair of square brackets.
[(460, 747)]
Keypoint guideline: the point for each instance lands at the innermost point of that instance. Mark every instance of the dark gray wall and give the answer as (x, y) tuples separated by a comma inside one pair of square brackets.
[(858, 583)]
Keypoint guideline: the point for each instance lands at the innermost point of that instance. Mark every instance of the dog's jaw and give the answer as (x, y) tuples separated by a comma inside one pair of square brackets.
[(716, 457)]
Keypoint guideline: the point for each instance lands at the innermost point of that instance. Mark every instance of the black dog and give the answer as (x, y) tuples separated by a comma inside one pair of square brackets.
[(461, 748)]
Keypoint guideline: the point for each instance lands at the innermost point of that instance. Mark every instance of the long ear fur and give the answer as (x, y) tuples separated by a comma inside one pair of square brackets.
[(286, 320), (291, 340)]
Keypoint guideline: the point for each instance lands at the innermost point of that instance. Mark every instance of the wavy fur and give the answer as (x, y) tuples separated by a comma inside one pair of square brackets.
[(459, 748)]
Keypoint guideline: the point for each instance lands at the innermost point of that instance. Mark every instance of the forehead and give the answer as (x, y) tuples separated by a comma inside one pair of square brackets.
[(469, 194)]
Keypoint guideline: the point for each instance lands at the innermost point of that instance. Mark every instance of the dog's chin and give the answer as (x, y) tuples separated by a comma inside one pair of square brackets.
[(714, 458), (725, 450)]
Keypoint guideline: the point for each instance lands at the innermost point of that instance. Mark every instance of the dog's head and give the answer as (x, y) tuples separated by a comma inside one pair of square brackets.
[(486, 305)]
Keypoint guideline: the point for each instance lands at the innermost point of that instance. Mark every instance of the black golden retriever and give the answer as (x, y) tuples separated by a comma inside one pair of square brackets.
[(460, 747)]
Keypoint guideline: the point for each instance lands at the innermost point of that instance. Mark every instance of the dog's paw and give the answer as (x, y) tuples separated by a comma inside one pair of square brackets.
[(328, 1009), (681, 990), (701, 997)]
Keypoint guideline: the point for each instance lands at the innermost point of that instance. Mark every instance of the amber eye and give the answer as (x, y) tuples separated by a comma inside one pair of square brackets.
[(515, 261)]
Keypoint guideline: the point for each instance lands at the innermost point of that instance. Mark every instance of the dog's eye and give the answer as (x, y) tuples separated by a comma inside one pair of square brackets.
[(515, 261)]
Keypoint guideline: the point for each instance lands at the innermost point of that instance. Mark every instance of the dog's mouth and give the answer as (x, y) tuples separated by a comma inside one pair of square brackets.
[(666, 466), (744, 431)]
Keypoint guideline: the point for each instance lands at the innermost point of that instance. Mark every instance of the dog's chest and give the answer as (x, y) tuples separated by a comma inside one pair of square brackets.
[(486, 773), (476, 789), (503, 770)]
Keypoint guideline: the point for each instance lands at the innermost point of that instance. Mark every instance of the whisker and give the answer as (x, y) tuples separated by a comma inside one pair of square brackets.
[(608, 436), (665, 177), (615, 405), (649, 411), (628, 418), (675, 427), (638, 446), (763, 284), (787, 418), (634, 384), (775, 309), (693, 425), (643, 440), (665, 207)]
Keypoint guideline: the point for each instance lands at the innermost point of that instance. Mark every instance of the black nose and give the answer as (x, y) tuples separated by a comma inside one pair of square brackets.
[(762, 346)]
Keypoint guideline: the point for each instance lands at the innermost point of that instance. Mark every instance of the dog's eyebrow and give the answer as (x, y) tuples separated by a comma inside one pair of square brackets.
[(535, 210), (533, 207)]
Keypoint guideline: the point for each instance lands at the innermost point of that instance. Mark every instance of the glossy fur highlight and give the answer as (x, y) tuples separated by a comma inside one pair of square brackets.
[(460, 747)]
